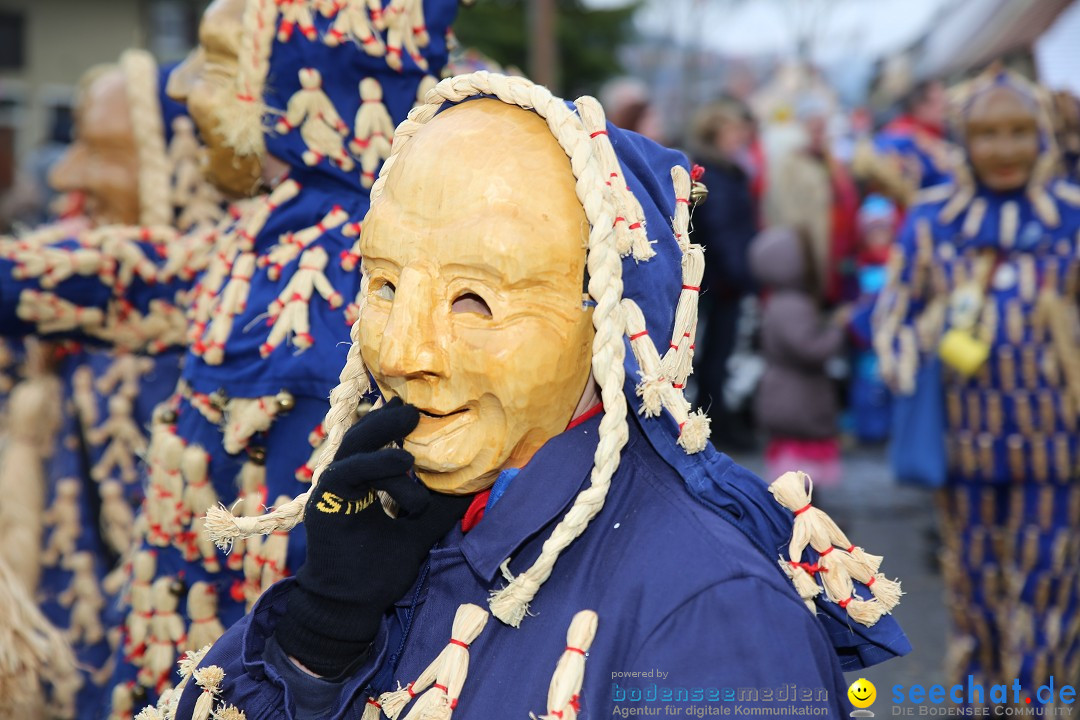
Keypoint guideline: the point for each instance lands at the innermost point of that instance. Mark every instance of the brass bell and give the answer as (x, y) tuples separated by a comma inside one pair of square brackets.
[(698, 193), (257, 454), (219, 399), (165, 415), (285, 401)]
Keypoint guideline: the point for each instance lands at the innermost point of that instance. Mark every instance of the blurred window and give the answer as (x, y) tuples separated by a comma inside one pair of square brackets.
[(12, 32)]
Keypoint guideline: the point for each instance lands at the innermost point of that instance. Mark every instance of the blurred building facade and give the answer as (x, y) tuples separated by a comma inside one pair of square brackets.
[(46, 45)]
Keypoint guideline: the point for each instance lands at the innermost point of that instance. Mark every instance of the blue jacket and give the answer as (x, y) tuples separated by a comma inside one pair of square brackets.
[(676, 587)]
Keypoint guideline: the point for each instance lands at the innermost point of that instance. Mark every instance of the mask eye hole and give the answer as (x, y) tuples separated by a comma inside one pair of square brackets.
[(385, 290), (470, 302)]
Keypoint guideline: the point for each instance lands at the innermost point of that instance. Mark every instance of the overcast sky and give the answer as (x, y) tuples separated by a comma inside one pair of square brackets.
[(747, 27)]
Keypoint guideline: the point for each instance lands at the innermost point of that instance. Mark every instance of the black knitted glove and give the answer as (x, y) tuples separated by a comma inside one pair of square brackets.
[(359, 560)]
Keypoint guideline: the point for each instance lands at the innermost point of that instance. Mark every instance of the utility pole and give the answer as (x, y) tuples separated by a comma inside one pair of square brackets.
[(541, 20)]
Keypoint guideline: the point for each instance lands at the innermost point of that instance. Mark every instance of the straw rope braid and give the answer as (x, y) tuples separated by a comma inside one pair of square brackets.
[(241, 122), (839, 561), (31, 649), (441, 682), (354, 22), (291, 244), (224, 527), (565, 687), (155, 171)]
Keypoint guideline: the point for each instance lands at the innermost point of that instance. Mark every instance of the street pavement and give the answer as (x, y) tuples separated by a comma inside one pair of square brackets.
[(897, 522)]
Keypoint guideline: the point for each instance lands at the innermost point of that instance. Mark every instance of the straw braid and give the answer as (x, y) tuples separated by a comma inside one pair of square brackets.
[(839, 560), (241, 122), (155, 170), (354, 383)]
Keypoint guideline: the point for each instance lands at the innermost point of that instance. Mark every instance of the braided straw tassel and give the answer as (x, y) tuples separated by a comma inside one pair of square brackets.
[(652, 387), (804, 582), (295, 14), (445, 675), (629, 225), (155, 170), (209, 679), (962, 197), (53, 314), (678, 360), (305, 472), (1044, 205), (839, 559), (233, 301), (321, 127), (253, 224), (565, 688), (202, 605), (372, 131), (372, 710), (404, 23), (198, 496), (292, 244), (247, 416), (353, 22), (289, 312)]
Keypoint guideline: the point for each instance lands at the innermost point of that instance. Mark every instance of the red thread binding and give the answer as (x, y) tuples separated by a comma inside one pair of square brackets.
[(804, 509)]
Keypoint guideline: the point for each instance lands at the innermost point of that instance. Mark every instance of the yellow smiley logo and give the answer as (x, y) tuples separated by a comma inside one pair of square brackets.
[(862, 693)]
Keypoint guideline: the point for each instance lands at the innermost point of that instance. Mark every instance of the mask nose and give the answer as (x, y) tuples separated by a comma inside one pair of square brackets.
[(68, 174), (414, 343), (183, 76)]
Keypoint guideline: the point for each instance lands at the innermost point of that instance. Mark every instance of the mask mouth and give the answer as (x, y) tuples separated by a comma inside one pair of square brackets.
[(437, 415)]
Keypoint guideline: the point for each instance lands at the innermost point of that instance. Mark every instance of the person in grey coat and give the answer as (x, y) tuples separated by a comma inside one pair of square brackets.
[(796, 403)]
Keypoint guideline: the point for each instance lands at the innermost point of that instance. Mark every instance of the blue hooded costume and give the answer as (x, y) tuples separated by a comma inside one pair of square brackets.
[(680, 564), (999, 267), (108, 396), (268, 295)]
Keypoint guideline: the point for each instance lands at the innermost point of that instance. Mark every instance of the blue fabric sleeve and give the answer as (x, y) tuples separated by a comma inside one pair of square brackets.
[(741, 634), (262, 681)]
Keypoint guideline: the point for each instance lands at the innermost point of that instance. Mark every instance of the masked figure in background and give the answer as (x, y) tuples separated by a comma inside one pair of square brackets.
[(985, 278), (134, 162), (532, 347), (911, 152), (301, 97)]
